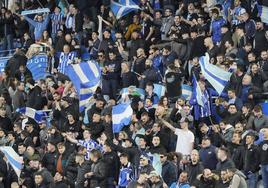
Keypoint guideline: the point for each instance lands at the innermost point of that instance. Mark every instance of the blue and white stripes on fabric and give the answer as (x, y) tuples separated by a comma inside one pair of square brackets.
[(159, 90), (37, 115), (89, 145), (123, 7), (38, 65), (197, 93), (216, 76), (186, 91), (121, 116), (65, 60), (263, 13), (56, 20), (13, 158), (69, 21), (126, 175), (86, 77)]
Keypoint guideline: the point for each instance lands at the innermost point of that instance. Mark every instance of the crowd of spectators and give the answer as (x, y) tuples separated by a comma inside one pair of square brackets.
[(223, 144)]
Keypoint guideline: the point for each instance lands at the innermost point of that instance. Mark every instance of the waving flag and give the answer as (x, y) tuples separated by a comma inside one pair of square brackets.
[(86, 77), (137, 92), (123, 7), (38, 66), (263, 13), (13, 158), (121, 116), (197, 93), (160, 90), (37, 115), (155, 161), (217, 77), (186, 91)]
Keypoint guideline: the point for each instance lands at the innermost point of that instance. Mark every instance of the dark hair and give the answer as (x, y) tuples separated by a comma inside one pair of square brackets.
[(22, 144), (257, 108), (150, 84), (39, 174), (222, 148), (231, 42), (124, 155), (96, 153)]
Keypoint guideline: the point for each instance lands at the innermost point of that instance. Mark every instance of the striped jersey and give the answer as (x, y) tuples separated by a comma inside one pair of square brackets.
[(65, 60), (56, 22), (89, 145)]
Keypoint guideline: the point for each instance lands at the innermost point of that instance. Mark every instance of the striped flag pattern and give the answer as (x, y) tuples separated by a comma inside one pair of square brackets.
[(121, 116), (123, 7), (216, 76), (13, 158), (37, 115), (263, 13), (86, 77)]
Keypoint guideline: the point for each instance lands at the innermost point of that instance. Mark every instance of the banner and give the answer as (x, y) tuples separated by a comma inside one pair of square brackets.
[(38, 66), (3, 62), (35, 11)]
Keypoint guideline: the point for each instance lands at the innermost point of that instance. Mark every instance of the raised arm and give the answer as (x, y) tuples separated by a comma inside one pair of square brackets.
[(168, 125), (47, 19), (70, 139), (31, 21)]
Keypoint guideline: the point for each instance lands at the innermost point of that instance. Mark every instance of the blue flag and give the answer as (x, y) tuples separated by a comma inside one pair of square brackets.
[(13, 159), (121, 116), (159, 90), (38, 66), (216, 76), (123, 7), (186, 91), (263, 13), (197, 93), (86, 77), (37, 115)]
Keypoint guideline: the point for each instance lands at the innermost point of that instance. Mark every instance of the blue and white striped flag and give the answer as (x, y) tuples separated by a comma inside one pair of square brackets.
[(197, 93), (38, 65), (159, 90), (186, 91), (216, 76), (155, 161), (86, 77), (13, 158), (263, 13), (121, 116), (123, 7), (37, 115)]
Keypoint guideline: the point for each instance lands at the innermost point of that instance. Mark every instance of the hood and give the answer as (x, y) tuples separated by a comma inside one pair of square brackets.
[(241, 174), (229, 127)]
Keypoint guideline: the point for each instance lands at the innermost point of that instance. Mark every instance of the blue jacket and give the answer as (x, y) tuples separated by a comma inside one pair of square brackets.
[(39, 27), (180, 185), (158, 63), (216, 29), (244, 93), (126, 175), (208, 157)]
